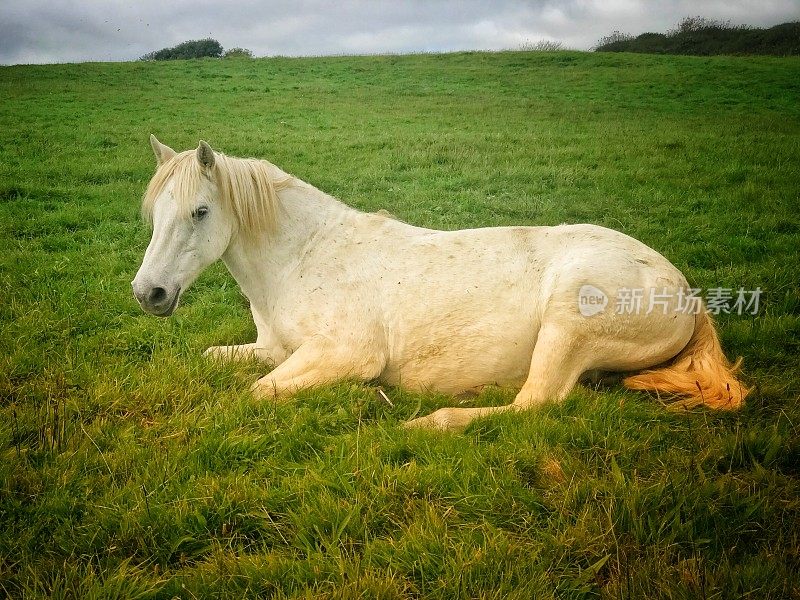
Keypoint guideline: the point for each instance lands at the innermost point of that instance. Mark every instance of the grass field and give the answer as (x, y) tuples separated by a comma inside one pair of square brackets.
[(132, 468)]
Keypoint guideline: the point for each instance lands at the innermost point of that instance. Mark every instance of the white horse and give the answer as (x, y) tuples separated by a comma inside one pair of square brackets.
[(337, 293)]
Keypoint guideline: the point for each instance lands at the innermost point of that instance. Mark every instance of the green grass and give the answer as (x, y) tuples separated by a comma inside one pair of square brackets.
[(131, 467)]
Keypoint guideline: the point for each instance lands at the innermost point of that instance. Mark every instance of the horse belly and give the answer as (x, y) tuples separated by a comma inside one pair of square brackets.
[(465, 310), (452, 360)]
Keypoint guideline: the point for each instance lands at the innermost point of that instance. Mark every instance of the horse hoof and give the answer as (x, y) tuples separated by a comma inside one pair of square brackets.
[(438, 421), (214, 352), (420, 423), (261, 391)]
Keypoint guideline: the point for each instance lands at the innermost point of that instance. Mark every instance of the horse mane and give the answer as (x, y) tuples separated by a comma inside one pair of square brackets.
[(247, 186)]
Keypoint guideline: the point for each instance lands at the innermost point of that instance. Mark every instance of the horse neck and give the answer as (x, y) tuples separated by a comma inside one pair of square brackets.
[(303, 214)]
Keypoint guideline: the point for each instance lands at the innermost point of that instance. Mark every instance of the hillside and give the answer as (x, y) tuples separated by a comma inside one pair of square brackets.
[(132, 467)]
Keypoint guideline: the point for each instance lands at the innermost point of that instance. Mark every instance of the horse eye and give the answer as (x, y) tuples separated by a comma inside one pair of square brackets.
[(199, 213)]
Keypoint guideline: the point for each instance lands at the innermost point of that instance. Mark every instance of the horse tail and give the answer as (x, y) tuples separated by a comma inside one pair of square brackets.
[(700, 371)]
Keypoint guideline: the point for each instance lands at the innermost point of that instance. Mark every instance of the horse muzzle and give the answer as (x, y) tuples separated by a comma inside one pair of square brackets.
[(157, 300)]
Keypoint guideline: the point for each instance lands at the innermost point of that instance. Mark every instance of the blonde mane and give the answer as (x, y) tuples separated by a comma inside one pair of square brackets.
[(247, 186)]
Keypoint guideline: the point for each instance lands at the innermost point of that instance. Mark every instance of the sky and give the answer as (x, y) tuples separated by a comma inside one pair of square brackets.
[(48, 31)]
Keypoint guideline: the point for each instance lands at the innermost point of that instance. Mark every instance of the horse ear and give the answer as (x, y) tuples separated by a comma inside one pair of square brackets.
[(163, 153), (205, 155)]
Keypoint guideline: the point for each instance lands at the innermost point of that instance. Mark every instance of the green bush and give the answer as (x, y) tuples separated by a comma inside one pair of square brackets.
[(238, 53), (191, 49), (611, 41), (701, 36), (542, 46)]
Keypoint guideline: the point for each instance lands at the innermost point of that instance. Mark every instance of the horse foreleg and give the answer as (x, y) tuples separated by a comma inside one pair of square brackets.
[(317, 362), (454, 419), (556, 365), (241, 352)]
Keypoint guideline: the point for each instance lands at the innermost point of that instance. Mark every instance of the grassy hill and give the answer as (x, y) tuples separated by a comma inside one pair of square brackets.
[(131, 467)]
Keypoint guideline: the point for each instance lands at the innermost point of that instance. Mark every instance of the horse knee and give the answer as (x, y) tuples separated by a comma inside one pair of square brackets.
[(276, 390)]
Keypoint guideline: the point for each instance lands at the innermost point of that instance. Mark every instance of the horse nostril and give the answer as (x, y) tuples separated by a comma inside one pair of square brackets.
[(157, 295)]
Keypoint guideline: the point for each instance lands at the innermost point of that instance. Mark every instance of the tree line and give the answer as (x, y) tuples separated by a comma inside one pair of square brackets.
[(702, 36)]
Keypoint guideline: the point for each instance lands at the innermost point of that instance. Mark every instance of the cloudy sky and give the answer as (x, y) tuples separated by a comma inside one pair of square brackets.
[(45, 31)]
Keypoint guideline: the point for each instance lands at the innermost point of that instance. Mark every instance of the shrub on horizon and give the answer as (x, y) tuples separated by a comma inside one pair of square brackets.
[(208, 47), (238, 53)]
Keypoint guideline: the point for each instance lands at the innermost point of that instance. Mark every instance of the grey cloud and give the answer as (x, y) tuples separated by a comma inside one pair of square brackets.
[(62, 31)]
